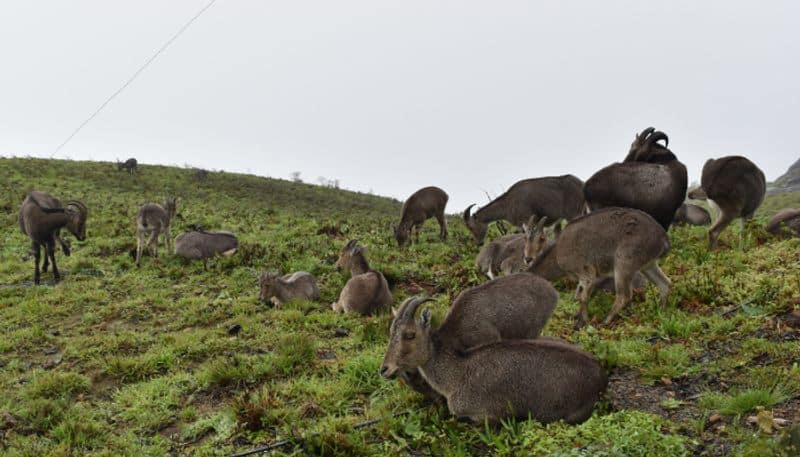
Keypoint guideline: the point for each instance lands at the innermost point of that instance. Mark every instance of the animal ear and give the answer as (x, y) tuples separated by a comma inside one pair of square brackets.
[(426, 317), (394, 312)]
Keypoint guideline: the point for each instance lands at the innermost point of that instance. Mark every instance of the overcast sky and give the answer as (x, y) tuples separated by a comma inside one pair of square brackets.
[(392, 96)]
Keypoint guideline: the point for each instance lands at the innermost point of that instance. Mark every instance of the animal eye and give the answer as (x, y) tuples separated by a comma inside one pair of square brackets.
[(409, 335)]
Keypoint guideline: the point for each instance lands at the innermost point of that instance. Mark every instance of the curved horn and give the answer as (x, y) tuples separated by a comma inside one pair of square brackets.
[(531, 224), (541, 224), (350, 244), (79, 204), (409, 307), (646, 132), (652, 139), (468, 212)]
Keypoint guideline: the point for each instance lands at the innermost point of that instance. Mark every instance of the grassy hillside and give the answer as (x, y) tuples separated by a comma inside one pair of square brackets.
[(116, 360)]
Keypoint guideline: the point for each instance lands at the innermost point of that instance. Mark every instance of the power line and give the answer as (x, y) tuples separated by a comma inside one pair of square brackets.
[(135, 74)]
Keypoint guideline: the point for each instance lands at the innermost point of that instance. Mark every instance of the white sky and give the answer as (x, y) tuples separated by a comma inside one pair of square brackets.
[(393, 96)]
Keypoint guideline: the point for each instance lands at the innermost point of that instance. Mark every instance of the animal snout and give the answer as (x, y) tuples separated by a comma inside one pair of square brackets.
[(528, 260), (388, 372)]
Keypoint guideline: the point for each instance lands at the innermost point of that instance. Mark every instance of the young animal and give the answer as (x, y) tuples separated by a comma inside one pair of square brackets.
[(154, 219), (202, 245), (543, 379), (501, 256), (785, 223), (558, 197), (611, 242), (367, 291), (514, 307), (42, 217), (281, 289), (129, 165), (736, 186), (422, 205), (692, 214), (651, 179)]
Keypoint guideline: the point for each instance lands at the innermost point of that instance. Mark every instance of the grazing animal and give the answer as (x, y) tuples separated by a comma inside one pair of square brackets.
[(154, 219), (611, 242), (736, 186), (42, 217), (200, 174), (514, 307), (501, 256), (651, 180), (785, 223), (558, 197), (202, 245), (692, 214), (422, 205), (367, 291), (129, 165), (543, 379), (281, 289)]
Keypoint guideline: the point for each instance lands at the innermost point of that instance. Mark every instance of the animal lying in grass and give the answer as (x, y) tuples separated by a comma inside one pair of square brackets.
[(515, 307), (785, 223), (202, 245), (41, 218), (501, 256), (543, 379), (281, 289), (610, 242), (367, 291)]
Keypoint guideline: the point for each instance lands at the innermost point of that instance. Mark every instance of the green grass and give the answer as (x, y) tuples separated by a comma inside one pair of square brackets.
[(116, 360)]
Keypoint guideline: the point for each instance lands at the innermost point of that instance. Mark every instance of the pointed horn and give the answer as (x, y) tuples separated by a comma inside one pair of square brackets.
[(409, 307), (351, 243), (531, 223), (646, 132), (541, 224), (652, 139), (468, 212)]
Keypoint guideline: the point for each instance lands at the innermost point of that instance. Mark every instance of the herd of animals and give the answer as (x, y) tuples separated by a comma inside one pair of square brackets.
[(487, 360)]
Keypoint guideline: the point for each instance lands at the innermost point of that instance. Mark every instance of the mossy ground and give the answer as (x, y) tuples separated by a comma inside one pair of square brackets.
[(116, 360)]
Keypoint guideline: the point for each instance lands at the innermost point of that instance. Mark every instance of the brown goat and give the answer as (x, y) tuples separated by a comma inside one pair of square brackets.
[(422, 205), (692, 214), (785, 223), (42, 217), (129, 165), (501, 256), (557, 197), (611, 242), (281, 289), (367, 291), (153, 219), (736, 186), (542, 379)]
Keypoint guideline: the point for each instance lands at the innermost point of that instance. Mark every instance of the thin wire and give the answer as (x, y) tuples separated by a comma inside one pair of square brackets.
[(130, 80)]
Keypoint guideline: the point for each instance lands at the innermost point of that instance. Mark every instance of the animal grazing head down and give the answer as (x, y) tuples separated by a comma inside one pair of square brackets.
[(475, 226), (535, 238), (410, 343), (402, 233), (266, 283), (645, 147)]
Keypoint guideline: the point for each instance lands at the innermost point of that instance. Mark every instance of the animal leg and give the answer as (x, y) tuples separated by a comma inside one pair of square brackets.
[(168, 240), (50, 248), (583, 292), (36, 247), (442, 226), (153, 243), (336, 307), (713, 234), (139, 246), (417, 229), (46, 263), (557, 229), (654, 273), (64, 246), (622, 284)]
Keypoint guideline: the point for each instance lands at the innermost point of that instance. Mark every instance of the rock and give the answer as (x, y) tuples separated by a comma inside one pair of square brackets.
[(7, 421), (49, 365), (51, 351), (666, 381), (341, 332), (234, 330), (715, 419)]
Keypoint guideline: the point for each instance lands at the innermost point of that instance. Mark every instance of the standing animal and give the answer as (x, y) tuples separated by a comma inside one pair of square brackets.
[(281, 289), (202, 245), (650, 179), (542, 379), (558, 197), (736, 186), (501, 256), (611, 242), (515, 307), (154, 219), (42, 217), (366, 292), (129, 165), (785, 222), (422, 205), (692, 214)]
